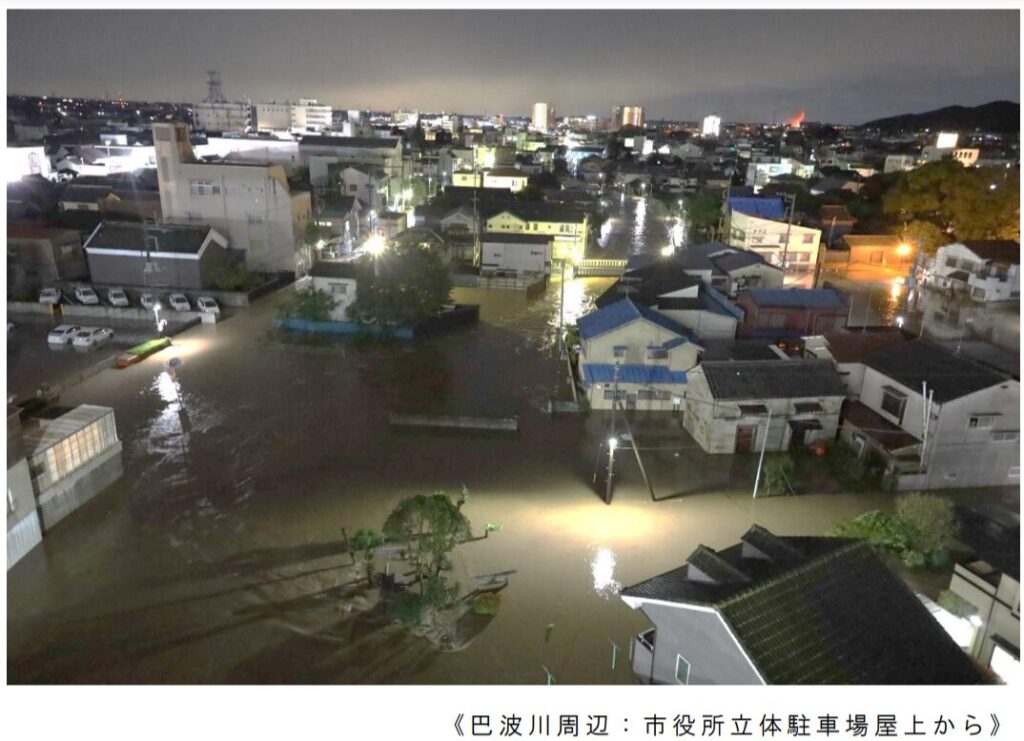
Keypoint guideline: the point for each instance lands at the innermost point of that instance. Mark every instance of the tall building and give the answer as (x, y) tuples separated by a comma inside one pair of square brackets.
[(543, 117), (217, 114), (309, 115), (628, 115), (712, 126)]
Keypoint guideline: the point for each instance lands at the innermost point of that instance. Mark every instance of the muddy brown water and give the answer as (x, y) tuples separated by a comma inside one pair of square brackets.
[(217, 558)]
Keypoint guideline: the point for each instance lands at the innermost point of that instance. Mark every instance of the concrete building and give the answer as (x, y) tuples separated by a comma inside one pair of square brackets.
[(791, 247), (638, 351), (747, 406), (24, 531), (338, 280), (791, 312), (368, 183), (569, 226), (899, 162), (186, 256), (40, 256), (275, 117), (543, 118), (711, 127), (309, 115), (965, 416), (762, 170), (317, 152), (791, 611), (627, 115), (878, 249), (219, 117), (341, 215), (251, 205), (987, 270)]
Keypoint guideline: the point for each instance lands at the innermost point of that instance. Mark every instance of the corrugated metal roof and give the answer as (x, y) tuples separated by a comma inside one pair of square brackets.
[(765, 208), (797, 298), (638, 373), (772, 379), (49, 433), (622, 312)]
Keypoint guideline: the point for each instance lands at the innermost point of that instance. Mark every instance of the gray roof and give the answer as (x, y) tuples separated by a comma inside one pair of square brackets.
[(810, 610), (125, 235), (331, 269), (360, 142), (772, 379), (949, 376)]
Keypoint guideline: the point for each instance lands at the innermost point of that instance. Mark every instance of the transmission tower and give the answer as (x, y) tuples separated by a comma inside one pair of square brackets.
[(214, 93)]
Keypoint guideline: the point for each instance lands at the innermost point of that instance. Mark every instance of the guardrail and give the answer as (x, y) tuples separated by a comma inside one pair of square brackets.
[(508, 424)]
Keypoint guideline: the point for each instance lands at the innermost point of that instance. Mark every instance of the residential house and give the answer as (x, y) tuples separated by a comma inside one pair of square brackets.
[(340, 215), (39, 256), (899, 162), (120, 196), (988, 270), (524, 256), (339, 281), (965, 416), (30, 197), (988, 579), (184, 256), (848, 181), (505, 177), (878, 249), (391, 224), (637, 350), (250, 204), (792, 611), (467, 179), (368, 183), (317, 152), (568, 225), (729, 269), (21, 161), (748, 406), (791, 312), (792, 247)]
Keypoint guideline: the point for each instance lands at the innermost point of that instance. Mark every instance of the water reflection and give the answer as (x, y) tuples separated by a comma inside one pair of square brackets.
[(602, 568)]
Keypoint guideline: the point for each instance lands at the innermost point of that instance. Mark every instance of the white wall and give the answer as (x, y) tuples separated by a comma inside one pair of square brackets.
[(342, 290)]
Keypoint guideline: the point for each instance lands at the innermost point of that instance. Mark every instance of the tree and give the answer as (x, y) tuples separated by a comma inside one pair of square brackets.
[(703, 212), (431, 527), (236, 278), (530, 193), (314, 233), (411, 286), (364, 541), (924, 235), (308, 303)]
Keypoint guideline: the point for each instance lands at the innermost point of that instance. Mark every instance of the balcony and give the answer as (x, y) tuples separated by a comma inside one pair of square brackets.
[(643, 656)]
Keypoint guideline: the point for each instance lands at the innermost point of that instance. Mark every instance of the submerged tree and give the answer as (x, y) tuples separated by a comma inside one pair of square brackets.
[(431, 527)]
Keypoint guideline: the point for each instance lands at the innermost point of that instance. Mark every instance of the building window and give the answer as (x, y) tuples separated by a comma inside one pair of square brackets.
[(950, 262), (253, 218), (619, 351), (1014, 472), (893, 403), (657, 353), (203, 187), (339, 289), (1005, 436), (981, 421), (809, 239), (682, 670), (152, 244), (194, 215)]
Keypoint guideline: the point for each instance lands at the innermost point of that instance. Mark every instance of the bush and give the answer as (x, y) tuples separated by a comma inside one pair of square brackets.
[(876, 527), (854, 473), (778, 473), (928, 521), (237, 278), (407, 608), (308, 303), (487, 604)]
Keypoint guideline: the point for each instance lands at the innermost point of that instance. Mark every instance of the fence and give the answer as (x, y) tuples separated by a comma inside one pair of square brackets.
[(509, 424)]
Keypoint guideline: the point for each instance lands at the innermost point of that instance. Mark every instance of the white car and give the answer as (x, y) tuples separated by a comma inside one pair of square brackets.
[(85, 295), (63, 334), (50, 296), (92, 336), (147, 301), (207, 305), (117, 297), (179, 302)]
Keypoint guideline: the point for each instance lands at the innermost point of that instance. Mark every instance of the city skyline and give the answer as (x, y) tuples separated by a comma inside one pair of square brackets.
[(468, 62)]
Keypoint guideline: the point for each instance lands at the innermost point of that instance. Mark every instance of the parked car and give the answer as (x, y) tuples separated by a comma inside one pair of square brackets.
[(85, 295), (117, 297), (50, 296), (179, 302), (92, 336), (147, 301), (207, 305), (63, 334)]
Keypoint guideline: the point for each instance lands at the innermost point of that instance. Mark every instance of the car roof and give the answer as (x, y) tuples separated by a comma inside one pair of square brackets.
[(65, 327)]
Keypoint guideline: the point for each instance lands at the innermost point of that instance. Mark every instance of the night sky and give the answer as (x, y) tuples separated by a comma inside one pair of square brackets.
[(839, 66)]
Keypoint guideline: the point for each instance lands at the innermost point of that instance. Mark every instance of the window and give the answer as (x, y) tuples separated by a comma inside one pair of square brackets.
[(339, 289), (203, 187), (353, 189), (619, 351), (682, 670), (893, 402), (193, 215), (809, 239), (950, 262), (981, 421), (657, 353), (1014, 472), (152, 244), (253, 218), (1005, 436), (753, 410), (609, 394)]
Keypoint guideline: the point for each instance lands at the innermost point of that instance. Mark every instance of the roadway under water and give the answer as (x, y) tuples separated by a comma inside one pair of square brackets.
[(218, 556)]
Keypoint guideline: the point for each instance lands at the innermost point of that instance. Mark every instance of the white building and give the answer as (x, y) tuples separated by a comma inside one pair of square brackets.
[(761, 171), (225, 116), (309, 115), (543, 117), (251, 204), (318, 152), (899, 162), (791, 247), (273, 116), (515, 255), (628, 115), (22, 161), (988, 270), (712, 126), (505, 177), (338, 280)]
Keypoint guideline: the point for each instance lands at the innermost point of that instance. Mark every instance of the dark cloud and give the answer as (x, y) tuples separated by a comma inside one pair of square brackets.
[(837, 65)]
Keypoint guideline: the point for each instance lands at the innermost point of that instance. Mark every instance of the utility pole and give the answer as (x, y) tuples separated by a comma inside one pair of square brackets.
[(926, 413), (561, 314), (764, 447), (789, 228), (613, 439)]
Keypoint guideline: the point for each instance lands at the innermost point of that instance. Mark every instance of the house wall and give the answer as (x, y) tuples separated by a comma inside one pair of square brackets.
[(754, 276), (71, 492), (186, 272), (956, 454), (768, 239), (995, 605), (807, 321), (570, 238), (637, 336), (23, 529), (706, 324), (342, 290), (703, 640), (514, 184), (517, 257), (35, 263)]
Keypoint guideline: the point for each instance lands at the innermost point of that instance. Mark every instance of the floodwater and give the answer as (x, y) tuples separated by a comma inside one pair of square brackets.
[(218, 556)]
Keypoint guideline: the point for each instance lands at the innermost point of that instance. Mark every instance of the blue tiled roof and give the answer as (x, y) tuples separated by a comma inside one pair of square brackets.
[(632, 373), (798, 298), (622, 312), (765, 208)]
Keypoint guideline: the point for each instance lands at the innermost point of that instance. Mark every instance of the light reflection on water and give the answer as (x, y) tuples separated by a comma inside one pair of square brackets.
[(602, 568)]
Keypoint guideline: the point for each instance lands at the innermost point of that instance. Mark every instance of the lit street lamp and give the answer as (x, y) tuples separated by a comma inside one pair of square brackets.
[(160, 323), (375, 245)]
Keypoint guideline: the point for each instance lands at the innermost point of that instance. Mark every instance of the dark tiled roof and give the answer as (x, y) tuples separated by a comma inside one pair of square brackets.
[(542, 211), (332, 204), (889, 436), (993, 533), (816, 611), (995, 250), (772, 379), (798, 298), (848, 346), (645, 288), (949, 376), (501, 238), (330, 269), (123, 235)]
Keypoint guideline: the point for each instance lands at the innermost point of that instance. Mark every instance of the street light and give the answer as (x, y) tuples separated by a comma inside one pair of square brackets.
[(375, 245), (160, 323), (667, 251)]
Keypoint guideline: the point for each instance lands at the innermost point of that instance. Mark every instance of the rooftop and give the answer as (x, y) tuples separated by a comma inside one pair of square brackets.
[(50, 432), (126, 235), (638, 373), (360, 142), (762, 207), (772, 379), (623, 312), (949, 376), (797, 298), (995, 250)]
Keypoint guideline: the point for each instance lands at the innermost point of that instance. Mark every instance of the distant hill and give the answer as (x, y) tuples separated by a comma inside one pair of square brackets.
[(998, 116)]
